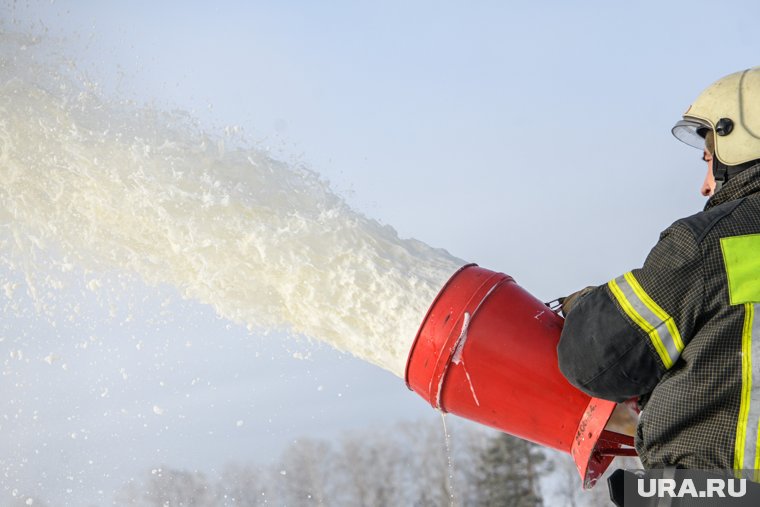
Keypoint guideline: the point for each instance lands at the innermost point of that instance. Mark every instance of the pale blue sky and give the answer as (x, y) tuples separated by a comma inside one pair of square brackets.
[(511, 114), (530, 137)]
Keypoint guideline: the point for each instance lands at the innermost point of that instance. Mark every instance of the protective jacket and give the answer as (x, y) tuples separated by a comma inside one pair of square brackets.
[(683, 334)]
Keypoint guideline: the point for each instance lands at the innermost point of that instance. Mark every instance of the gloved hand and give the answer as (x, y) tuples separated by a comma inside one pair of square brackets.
[(566, 303)]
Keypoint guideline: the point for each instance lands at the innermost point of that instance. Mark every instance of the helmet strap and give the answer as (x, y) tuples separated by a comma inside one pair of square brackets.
[(722, 172)]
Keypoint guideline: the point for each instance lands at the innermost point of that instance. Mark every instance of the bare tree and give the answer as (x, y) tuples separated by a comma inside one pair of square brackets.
[(177, 488), (432, 462), (410, 463), (306, 473), (245, 485), (368, 469)]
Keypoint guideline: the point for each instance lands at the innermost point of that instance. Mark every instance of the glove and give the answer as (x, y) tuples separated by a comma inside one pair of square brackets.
[(567, 303)]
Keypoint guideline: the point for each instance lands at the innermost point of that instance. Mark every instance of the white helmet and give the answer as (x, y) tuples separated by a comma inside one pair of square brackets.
[(730, 107)]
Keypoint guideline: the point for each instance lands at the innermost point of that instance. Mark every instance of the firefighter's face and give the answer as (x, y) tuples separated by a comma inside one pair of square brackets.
[(708, 186)]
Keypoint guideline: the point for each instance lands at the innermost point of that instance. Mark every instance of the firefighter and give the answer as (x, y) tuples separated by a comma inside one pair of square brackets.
[(682, 333)]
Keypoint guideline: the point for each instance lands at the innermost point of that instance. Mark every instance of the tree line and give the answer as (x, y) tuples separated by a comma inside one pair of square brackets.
[(407, 464)]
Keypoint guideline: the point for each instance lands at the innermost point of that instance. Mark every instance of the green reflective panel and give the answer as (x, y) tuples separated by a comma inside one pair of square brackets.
[(741, 254)]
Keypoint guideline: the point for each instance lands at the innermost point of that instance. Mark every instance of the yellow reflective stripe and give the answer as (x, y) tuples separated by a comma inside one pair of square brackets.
[(641, 322), (741, 426), (753, 419), (757, 456), (657, 310), (747, 446)]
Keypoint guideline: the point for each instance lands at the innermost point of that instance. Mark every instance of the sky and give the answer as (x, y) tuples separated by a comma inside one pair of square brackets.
[(530, 138)]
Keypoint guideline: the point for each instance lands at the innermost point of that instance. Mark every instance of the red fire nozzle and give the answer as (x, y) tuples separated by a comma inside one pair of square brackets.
[(487, 351)]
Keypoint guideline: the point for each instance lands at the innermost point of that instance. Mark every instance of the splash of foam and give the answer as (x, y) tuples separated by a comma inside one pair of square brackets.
[(103, 185)]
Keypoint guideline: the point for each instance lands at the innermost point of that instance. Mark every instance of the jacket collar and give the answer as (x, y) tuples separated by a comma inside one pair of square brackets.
[(743, 184)]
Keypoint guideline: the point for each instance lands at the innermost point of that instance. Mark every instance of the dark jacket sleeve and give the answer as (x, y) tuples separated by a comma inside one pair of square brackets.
[(620, 339)]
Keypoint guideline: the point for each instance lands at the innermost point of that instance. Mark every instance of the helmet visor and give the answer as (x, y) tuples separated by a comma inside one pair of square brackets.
[(691, 132)]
